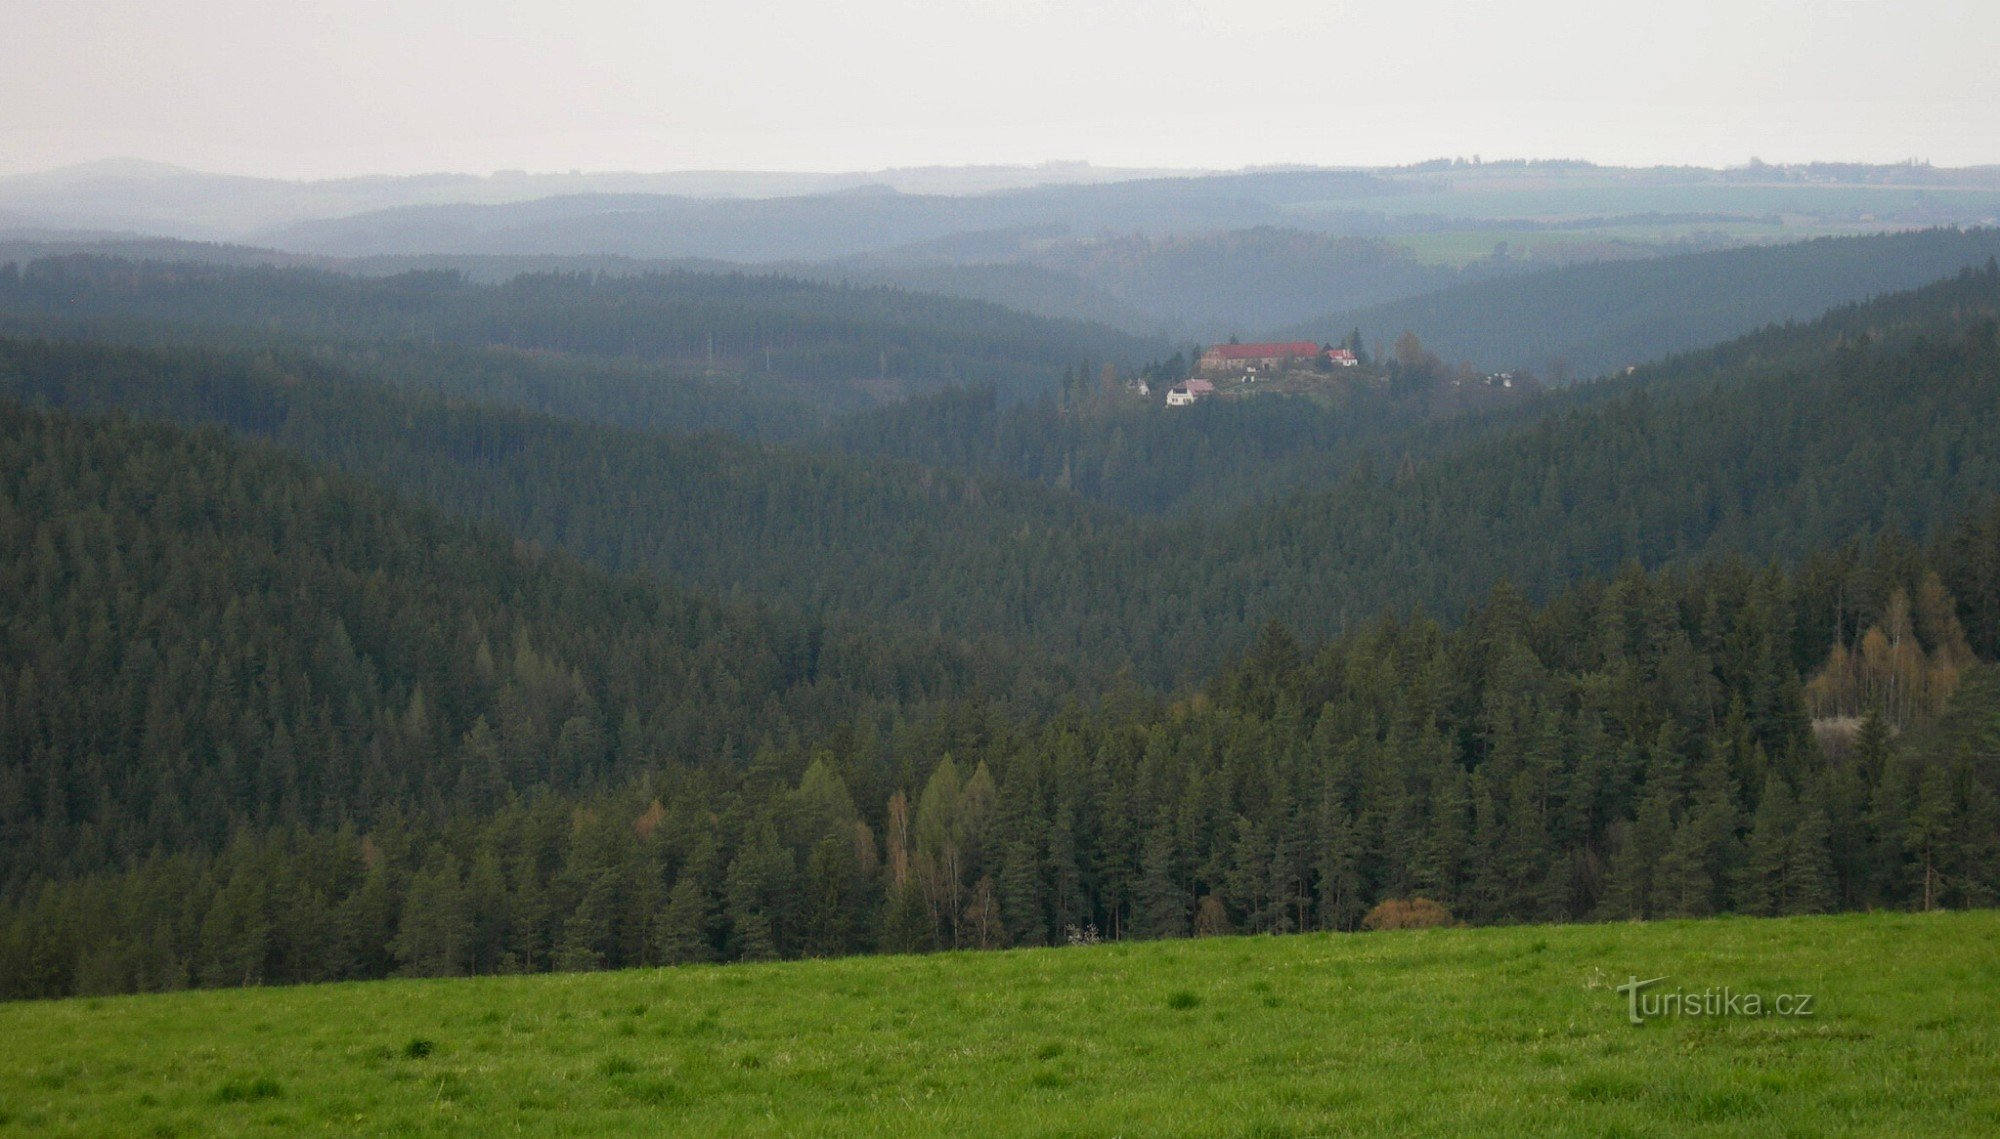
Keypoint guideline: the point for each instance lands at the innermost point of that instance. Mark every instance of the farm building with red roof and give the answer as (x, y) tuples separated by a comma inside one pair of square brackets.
[(1230, 357)]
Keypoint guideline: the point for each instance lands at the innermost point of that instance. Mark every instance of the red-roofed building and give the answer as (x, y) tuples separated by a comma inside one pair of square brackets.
[(1188, 391), (1341, 357), (1229, 357)]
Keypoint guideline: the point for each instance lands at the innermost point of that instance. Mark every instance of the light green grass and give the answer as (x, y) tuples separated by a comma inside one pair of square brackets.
[(1505, 1031)]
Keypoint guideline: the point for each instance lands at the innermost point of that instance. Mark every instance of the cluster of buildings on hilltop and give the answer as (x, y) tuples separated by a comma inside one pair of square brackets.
[(1236, 357), (1225, 359)]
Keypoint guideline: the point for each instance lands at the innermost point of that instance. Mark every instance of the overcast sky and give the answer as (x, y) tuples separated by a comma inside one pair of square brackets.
[(334, 87)]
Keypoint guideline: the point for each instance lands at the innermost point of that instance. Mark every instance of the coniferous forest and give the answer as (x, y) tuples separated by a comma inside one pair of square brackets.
[(354, 629)]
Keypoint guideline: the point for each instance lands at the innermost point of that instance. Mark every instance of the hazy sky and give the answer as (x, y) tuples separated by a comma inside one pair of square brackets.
[(326, 87)]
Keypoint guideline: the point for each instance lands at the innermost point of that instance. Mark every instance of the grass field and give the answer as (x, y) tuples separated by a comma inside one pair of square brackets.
[(1498, 1031)]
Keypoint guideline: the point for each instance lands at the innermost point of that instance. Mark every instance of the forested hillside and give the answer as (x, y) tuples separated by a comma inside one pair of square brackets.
[(777, 329), (1140, 456), (900, 543), (1024, 287), (1204, 285), (1878, 416), (1586, 320), (1760, 461), (1213, 285), (204, 637), (1792, 441), (264, 722), (1638, 748)]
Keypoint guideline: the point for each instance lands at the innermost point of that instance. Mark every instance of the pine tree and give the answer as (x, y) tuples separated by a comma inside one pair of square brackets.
[(755, 890), (588, 936), (1694, 876), (1163, 902), (1249, 877), (1684, 886), (1336, 869), (1762, 888), (435, 932), (1811, 886), (683, 931), (235, 935), (1067, 899), (1445, 837), (487, 911), (1023, 897), (906, 924), (1891, 803), (1929, 836), (828, 912), (1630, 890), (1978, 855)]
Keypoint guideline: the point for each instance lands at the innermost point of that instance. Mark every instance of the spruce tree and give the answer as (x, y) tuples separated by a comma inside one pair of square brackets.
[(682, 933), (1762, 888), (906, 923), (754, 891), (1812, 887), (1163, 902), (1336, 870)]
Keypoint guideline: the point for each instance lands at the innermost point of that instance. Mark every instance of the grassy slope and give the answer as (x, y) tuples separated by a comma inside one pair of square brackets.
[(1492, 1031)]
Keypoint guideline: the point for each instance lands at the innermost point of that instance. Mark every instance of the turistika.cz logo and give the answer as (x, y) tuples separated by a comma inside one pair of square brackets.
[(1640, 1003)]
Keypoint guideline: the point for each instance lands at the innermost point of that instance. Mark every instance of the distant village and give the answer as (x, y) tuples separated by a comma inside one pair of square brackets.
[(1302, 367), (1244, 362)]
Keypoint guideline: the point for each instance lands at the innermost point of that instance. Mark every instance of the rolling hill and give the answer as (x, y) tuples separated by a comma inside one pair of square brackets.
[(209, 636), (269, 724), (1786, 442), (841, 340), (1586, 320)]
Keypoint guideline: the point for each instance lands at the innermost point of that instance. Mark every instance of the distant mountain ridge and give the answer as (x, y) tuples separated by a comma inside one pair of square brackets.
[(1194, 256), (816, 227), (162, 199)]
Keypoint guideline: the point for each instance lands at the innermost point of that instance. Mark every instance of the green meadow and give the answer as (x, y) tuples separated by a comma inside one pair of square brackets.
[(1474, 1031)]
